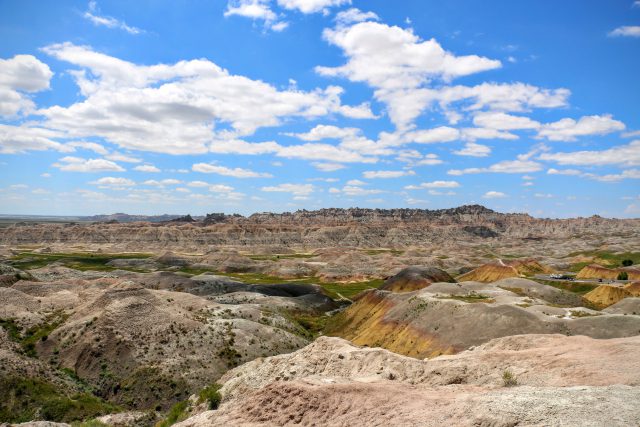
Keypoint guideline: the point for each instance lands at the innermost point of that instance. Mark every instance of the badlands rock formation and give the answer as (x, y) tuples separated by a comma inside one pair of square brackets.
[(595, 271), (373, 228), (446, 318), (503, 270), (414, 278), (332, 382)]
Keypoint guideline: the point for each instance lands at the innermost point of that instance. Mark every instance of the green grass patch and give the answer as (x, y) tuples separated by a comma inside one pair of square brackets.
[(575, 287), (29, 338), (76, 260), (332, 289), (177, 413), (26, 399), (605, 258), (383, 251), (211, 395), (471, 298)]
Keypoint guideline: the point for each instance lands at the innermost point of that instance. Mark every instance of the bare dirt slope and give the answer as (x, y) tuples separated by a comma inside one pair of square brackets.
[(333, 383), (446, 318)]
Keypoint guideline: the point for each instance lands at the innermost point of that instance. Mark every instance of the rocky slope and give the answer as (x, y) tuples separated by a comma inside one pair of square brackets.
[(446, 318), (333, 383), (325, 227)]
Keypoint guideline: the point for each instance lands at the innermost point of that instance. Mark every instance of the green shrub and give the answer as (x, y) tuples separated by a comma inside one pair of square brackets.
[(627, 262), (212, 395), (623, 276), (177, 413), (508, 379)]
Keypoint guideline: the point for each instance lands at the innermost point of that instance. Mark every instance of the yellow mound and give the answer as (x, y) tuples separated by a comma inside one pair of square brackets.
[(633, 289), (497, 271), (595, 271), (363, 324), (603, 296)]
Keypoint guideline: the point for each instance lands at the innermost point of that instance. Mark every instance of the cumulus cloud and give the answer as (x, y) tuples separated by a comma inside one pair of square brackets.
[(312, 6), (256, 10), (146, 168), (173, 108), (113, 182), (299, 190), (507, 166), (225, 171), (387, 174), (504, 121), (321, 132), (625, 155), (354, 15), (20, 139), (570, 129), (626, 31), (494, 195), (473, 150), (78, 164), (396, 62), (20, 76), (434, 184)]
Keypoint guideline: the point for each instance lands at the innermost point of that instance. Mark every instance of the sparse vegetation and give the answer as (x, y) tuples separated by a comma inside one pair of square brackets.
[(31, 336), (26, 399), (623, 275), (508, 379), (76, 260), (605, 258), (211, 395), (470, 298), (177, 413)]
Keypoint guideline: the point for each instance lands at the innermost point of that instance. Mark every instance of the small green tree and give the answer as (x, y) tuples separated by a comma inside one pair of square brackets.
[(627, 262), (623, 276)]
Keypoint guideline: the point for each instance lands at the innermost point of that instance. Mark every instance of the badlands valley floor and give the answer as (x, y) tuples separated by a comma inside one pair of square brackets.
[(456, 317)]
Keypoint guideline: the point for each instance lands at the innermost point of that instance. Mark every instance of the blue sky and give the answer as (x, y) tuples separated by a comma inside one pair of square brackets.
[(244, 106)]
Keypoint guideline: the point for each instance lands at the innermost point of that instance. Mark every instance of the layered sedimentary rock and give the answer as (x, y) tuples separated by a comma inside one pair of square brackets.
[(324, 228), (595, 271)]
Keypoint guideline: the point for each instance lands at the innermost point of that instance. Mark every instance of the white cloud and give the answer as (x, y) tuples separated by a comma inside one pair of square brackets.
[(354, 15), (162, 183), (225, 171), (295, 189), (78, 164), (357, 191), (473, 150), (507, 166), (504, 121), (441, 193), (626, 31), (119, 157), (112, 182), (20, 139), (321, 132), (543, 196), (507, 97), (387, 174), (362, 111), (494, 195), (396, 63), (19, 77), (568, 172), (256, 10), (569, 129), (198, 184), (92, 146), (220, 188), (434, 184), (328, 167), (173, 108), (146, 168), (311, 6), (626, 155), (435, 135), (473, 134), (108, 21)]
